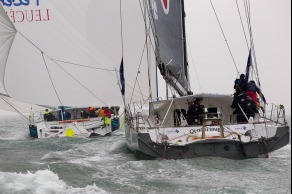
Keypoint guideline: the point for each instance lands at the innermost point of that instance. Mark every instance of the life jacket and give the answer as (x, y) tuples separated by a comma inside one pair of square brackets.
[(107, 121)]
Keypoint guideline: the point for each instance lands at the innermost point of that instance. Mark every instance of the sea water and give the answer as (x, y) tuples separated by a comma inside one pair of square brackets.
[(103, 165)]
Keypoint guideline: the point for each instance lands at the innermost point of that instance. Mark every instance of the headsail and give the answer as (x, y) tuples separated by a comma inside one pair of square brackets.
[(168, 20), (74, 49), (9, 104), (7, 34)]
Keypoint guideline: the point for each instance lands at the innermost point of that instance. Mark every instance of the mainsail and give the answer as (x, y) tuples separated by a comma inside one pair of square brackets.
[(69, 52), (168, 23)]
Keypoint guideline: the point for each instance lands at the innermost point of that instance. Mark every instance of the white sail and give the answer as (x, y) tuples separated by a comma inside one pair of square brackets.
[(7, 33), (9, 104), (74, 49)]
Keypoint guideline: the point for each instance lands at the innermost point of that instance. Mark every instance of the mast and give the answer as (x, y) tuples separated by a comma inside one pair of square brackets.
[(186, 64)]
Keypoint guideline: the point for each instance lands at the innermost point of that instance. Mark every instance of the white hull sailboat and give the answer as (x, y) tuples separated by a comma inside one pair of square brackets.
[(166, 133), (161, 128), (77, 125)]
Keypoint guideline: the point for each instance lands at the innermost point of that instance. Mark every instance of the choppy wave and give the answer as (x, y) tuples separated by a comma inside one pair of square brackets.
[(72, 165), (40, 182), (13, 128)]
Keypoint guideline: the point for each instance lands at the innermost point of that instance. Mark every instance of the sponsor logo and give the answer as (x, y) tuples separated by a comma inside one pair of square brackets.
[(18, 3), (208, 129), (165, 5), (19, 11)]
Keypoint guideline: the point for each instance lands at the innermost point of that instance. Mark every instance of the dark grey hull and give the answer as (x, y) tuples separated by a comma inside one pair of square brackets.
[(212, 148)]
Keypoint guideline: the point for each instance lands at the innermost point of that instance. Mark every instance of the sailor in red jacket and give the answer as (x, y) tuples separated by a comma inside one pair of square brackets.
[(251, 90), (107, 113)]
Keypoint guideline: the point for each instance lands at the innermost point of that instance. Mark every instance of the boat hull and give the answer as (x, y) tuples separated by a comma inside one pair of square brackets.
[(88, 128), (144, 147)]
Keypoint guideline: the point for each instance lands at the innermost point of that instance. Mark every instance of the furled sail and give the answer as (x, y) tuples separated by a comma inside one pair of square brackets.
[(168, 20), (69, 52)]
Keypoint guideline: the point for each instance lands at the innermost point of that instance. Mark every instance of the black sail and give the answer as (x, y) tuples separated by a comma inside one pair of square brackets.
[(169, 30)]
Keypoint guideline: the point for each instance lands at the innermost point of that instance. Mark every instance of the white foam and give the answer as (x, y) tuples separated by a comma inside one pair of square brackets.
[(43, 181), (105, 153), (14, 135), (13, 128)]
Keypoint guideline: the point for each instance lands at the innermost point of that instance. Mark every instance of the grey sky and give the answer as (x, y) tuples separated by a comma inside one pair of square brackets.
[(271, 22)]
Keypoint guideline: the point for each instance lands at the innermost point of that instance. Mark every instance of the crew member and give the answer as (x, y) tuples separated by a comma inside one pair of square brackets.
[(91, 112), (252, 90), (101, 112), (48, 115), (107, 116), (240, 82), (244, 106), (196, 113)]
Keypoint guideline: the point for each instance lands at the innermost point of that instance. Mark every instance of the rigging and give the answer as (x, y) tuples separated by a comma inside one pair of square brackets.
[(4, 98), (229, 48), (242, 25), (60, 61), (248, 16)]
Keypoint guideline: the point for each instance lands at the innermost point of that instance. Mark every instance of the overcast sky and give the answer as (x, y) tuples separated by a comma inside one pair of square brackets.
[(209, 54), (212, 69)]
